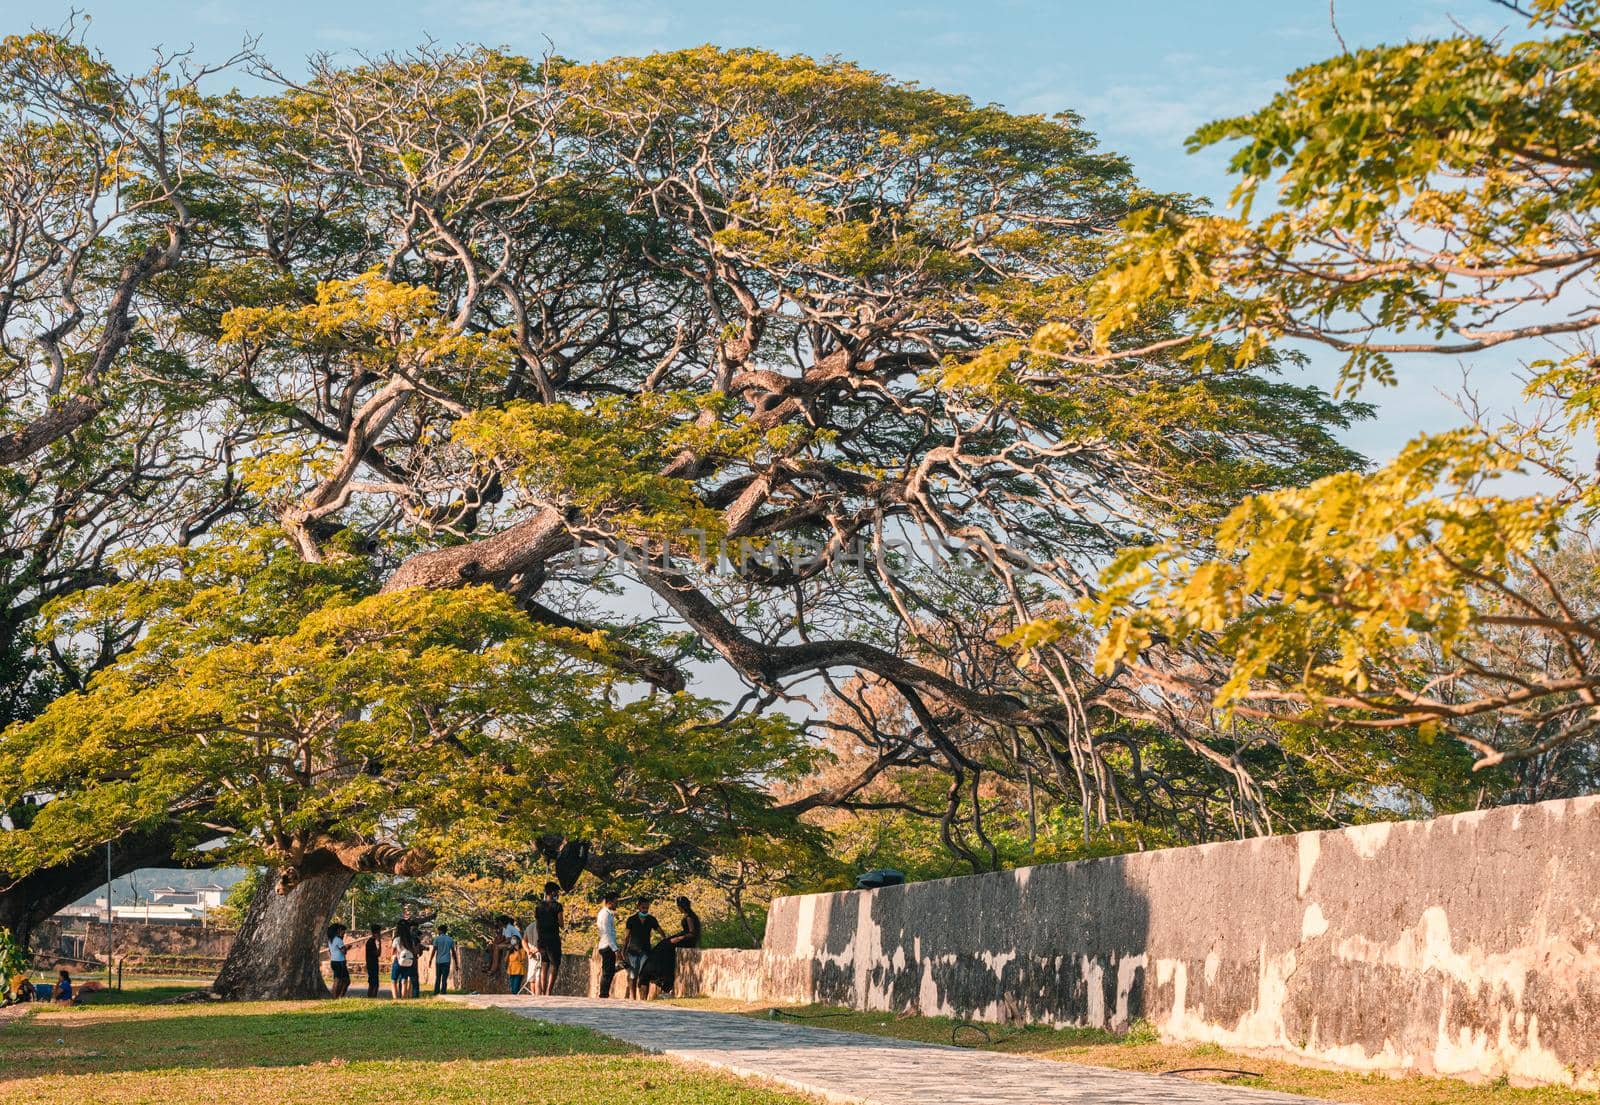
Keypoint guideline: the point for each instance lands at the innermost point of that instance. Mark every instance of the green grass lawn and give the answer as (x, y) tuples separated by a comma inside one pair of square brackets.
[(1143, 1051), (121, 1049)]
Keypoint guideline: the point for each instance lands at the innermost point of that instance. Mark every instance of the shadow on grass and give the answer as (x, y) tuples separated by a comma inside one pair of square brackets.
[(97, 1040)]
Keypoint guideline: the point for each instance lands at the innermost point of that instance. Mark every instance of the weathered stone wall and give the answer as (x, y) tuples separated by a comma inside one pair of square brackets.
[(1465, 946), (721, 972), (576, 978), (86, 939)]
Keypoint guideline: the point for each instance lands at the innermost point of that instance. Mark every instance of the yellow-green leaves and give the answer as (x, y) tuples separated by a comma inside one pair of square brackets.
[(375, 323), (1424, 192), (611, 459), (1321, 585)]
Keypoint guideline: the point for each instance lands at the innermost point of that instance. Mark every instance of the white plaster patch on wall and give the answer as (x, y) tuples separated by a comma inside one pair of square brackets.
[(1094, 976), (1314, 924), (1469, 822), (805, 910), (928, 991), (1536, 1064), (1262, 1026), (1310, 850), (1368, 840), (868, 939), (1428, 946), (1129, 968), (1179, 1022), (1213, 968)]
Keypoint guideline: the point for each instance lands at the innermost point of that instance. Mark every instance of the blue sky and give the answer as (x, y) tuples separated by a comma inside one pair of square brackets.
[(1143, 73)]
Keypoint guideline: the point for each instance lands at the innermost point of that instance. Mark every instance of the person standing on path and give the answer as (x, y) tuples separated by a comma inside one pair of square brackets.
[(510, 937), (373, 949), (516, 968), (405, 951), (636, 948), (444, 957), (547, 925), (336, 960), (606, 922)]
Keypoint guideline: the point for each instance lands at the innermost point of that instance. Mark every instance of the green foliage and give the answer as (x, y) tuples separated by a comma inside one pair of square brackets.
[(295, 713), (1350, 572), (1428, 198), (14, 960)]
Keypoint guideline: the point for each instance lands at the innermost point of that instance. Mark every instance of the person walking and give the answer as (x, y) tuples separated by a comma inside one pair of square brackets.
[(547, 916), (373, 949), (336, 960), (636, 946), (444, 957), (606, 922)]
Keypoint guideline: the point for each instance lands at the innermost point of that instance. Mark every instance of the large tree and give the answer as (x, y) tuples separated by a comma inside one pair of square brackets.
[(713, 355)]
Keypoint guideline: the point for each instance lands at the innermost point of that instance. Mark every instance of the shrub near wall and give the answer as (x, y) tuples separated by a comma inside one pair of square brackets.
[(1465, 946)]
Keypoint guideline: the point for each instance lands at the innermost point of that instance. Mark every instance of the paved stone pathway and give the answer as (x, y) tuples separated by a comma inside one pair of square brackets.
[(857, 1068)]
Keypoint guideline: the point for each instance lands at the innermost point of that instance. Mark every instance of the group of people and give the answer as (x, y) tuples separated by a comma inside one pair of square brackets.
[(537, 947), (531, 955), (649, 955), (63, 991), (645, 952), (408, 948)]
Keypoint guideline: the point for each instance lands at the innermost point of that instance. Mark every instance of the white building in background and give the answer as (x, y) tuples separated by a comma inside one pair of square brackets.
[(209, 896), (166, 907)]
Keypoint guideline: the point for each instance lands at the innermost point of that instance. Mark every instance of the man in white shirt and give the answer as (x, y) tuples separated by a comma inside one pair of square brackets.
[(606, 922), (336, 961)]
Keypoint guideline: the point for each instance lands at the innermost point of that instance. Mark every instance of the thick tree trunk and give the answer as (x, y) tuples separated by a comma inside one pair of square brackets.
[(276, 954)]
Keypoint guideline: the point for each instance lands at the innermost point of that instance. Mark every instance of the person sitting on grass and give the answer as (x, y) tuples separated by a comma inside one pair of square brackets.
[(336, 960), (516, 968), (64, 994)]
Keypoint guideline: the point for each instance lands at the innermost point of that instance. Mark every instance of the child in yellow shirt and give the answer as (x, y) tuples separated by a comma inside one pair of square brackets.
[(516, 967)]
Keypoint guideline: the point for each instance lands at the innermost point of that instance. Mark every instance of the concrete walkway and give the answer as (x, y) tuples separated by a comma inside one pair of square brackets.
[(852, 1067)]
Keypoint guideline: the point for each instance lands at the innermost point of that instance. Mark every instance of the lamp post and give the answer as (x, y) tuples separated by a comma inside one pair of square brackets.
[(111, 932)]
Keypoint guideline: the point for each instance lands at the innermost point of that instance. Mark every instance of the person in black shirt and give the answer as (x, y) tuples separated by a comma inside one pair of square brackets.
[(547, 930), (689, 935), (374, 946), (636, 946)]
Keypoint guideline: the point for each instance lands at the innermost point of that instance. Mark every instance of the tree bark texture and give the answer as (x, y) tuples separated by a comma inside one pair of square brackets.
[(276, 954)]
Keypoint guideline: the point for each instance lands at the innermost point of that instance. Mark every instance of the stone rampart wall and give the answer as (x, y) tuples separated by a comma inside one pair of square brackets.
[(1466, 946)]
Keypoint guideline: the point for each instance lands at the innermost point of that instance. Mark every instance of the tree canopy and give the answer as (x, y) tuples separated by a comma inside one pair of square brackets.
[(1433, 197)]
